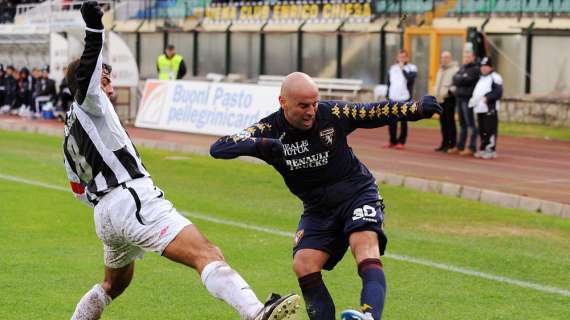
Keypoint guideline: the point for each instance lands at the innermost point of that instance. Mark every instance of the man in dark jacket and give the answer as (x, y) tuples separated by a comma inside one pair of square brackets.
[(35, 90), (11, 87), (464, 81), (46, 91), (64, 98), (23, 99), (306, 141), (2, 90)]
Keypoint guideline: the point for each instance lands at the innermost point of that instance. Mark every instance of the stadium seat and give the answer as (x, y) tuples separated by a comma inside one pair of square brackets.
[(470, 6), (482, 6), (556, 6), (500, 6), (543, 6), (408, 6), (565, 7), (428, 5), (458, 7), (393, 6), (531, 6), (381, 6)]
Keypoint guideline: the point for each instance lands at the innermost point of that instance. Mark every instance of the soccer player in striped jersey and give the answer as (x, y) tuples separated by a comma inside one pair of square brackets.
[(131, 214)]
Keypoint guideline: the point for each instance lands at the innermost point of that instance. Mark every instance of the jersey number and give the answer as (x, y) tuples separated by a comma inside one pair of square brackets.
[(82, 167), (364, 212)]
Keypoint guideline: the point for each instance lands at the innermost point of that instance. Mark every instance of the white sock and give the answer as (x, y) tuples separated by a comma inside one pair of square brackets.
[(91, 306), (226, 284)]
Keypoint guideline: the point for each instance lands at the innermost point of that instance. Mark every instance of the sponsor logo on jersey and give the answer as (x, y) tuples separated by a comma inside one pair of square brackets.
[(312, 161), (293, 149), (366, 213)]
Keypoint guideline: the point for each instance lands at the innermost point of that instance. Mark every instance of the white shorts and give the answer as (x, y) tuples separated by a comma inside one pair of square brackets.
[(133, 219)]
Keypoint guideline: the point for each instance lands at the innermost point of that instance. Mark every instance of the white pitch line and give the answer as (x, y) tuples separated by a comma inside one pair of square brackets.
[(427, 263), (33, 183), (209, 218)]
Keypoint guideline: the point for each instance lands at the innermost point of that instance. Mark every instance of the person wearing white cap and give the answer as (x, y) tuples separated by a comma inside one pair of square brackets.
[(485, 104)]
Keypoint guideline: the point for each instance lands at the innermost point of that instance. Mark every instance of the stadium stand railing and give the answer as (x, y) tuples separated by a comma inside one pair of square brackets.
[(176, 9), (407, 6), (160, 9), (47, 8), (511, 7)]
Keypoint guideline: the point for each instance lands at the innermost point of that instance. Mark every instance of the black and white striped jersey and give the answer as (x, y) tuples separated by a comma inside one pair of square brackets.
[(98, 153)]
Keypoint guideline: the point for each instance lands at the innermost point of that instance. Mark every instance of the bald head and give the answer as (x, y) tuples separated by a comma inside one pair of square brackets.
[(446, 58), (298, 83), (299, 98)]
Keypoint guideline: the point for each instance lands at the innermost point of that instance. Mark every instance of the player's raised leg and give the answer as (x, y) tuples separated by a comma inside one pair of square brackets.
[(92, 304), (191, 248), (307, 265)]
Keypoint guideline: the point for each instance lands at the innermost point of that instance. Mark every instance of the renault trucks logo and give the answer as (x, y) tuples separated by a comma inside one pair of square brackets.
[(151, 104)]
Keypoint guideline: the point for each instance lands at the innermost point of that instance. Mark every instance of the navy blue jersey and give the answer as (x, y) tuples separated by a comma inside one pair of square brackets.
[(318, 165)]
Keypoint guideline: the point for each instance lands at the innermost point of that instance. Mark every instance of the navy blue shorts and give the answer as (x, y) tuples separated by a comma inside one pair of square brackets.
[(328, 229)]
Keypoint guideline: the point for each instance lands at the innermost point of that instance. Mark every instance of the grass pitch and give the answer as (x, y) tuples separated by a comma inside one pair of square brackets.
[(50, 255)]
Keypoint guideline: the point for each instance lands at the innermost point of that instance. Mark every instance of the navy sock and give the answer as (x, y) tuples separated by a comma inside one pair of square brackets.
[(373, 287), (318, 300)]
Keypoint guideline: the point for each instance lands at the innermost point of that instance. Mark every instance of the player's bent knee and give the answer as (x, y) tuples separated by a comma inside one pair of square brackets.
[(304, 264), (299, 269), (364, 245)]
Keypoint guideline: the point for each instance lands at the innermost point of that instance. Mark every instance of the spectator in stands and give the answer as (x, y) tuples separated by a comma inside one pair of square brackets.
[(443, 92), (36, 89), (47, 93), (485, 103), (11, 87), (7, 11), (464, 81), (170, 65), (401, 77), (2, 90), (64, 98), (23, 99)]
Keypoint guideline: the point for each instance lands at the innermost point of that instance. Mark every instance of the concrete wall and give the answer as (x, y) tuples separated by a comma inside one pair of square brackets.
[(547, 111)]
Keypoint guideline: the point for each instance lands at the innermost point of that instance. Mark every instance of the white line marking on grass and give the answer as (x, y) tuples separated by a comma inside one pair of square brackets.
[(482, 275), (227, 222), (33, 183), (427, 263)]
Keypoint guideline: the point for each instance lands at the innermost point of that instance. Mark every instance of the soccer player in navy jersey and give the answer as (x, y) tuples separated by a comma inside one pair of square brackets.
[(306, 142)]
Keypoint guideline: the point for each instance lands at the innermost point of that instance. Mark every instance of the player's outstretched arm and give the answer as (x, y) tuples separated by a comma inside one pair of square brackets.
[(378, 114), (90, 64), (254, 141)]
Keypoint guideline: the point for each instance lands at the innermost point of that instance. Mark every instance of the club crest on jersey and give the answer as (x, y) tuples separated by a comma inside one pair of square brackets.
[(327, 137)]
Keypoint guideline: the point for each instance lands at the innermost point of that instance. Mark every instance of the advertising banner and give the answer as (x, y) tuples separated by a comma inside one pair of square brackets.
[(204, 107), (290, 10)]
